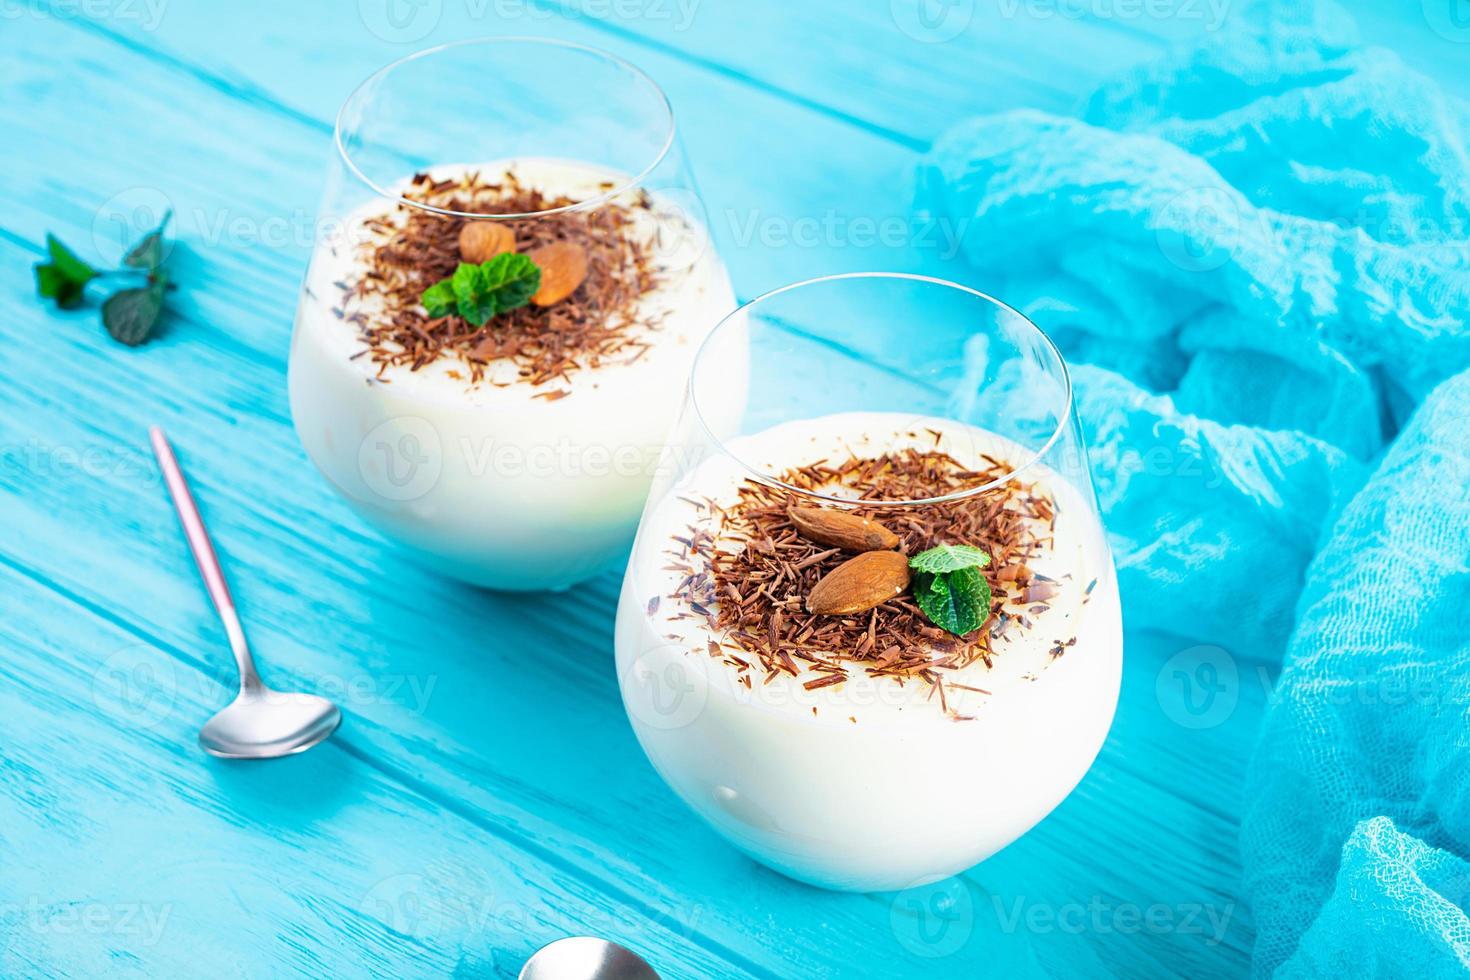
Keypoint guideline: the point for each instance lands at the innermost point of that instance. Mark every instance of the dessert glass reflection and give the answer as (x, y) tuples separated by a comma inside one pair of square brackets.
[(499, 317), (870, 628)]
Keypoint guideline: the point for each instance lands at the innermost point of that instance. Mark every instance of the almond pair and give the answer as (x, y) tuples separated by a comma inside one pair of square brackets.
[(858, 584), (563, 265)]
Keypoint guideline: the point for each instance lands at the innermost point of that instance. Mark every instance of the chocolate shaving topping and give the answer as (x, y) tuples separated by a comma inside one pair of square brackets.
[(410, 249), (749, 586)]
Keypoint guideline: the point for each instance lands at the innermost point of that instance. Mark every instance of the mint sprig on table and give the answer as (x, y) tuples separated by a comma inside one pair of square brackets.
[(64, 277), (949, 588), (130, 314), (479, 292)]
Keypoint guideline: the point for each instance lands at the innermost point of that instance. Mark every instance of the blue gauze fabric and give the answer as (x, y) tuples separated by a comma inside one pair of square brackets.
[(1257, 258)]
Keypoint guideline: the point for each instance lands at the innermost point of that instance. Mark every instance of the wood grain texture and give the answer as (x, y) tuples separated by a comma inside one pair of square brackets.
[(485, 794)]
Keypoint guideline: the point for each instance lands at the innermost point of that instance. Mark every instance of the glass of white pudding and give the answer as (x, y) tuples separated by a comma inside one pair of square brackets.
[(870, 627), (511, 280)]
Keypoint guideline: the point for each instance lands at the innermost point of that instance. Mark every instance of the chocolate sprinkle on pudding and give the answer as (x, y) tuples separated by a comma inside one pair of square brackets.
[(748, 577), (516, 454), (409, 249)]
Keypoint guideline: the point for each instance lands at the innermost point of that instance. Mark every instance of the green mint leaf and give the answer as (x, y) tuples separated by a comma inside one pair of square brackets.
[(479, 292), (473, 294), (439, 299), (66, 260), (957, 601), (514, 278), (52, 284), (148, 252), (64, 277), (131, 314), (949, 558)]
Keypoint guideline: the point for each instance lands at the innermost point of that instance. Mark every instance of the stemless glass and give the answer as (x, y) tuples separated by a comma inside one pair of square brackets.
[(871, 750), (515, 453)]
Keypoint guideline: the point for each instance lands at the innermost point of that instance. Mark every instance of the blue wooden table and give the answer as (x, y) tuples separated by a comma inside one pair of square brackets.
[(485, 794)]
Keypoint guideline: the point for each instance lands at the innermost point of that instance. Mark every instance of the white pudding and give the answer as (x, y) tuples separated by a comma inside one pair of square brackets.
[(869, 784), (501, 481)]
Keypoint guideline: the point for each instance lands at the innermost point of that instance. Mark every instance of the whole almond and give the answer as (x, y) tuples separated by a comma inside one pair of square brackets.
[(481, 241), (841, 529), (563, 267), (859, 584)]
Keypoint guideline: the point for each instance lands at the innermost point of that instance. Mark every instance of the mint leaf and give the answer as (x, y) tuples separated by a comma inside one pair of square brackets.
[(439, 299), (957, 601), (148, 252), (514, 279), (474, 301), (131, 314), (64, 277), (949, 558), (66, 260), (479, 292), (52, 284)]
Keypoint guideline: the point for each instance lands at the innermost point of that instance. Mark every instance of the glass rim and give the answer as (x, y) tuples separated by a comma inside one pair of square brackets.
[(592, 202), (1063, 420)]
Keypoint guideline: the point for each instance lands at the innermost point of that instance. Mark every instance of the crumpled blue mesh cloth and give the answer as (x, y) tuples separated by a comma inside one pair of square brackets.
[(1363, 929), (1257, 258), (1370, 725)]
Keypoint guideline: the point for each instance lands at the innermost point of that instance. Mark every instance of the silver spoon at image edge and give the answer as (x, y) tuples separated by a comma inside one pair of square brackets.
[(260, 723), (586, 958)]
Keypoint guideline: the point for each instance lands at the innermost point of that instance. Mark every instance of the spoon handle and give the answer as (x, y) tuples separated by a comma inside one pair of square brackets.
[(204, 556)]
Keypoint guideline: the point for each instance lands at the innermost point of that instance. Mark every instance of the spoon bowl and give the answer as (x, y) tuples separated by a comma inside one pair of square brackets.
[(266, 724), (586, 958)]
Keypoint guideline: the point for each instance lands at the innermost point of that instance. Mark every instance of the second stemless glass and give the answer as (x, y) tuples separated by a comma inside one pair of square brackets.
[(871, 750), (515, 453)]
